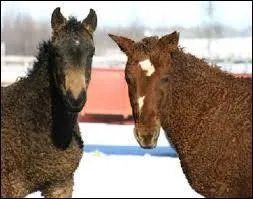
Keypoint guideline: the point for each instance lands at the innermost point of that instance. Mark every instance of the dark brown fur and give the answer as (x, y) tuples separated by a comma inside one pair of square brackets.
[(205, 112), (40, 139)]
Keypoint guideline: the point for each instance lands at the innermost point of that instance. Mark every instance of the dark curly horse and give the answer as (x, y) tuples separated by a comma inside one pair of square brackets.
[(205, 112), (40, 139)]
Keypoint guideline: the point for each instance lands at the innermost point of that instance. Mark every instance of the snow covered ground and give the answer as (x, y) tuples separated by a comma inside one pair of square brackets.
[(112, 176)]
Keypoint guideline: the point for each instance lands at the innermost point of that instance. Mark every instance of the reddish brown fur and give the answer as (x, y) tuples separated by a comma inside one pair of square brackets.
[(206, 113)]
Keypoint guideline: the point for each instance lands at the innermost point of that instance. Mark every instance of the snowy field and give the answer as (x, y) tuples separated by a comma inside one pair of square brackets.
[(119, 176)]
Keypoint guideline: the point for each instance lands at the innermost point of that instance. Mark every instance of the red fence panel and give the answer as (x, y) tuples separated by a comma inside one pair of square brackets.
[(107, 93)]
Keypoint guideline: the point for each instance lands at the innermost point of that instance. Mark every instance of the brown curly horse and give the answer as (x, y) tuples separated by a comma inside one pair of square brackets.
[(205, 112), (40, 139)]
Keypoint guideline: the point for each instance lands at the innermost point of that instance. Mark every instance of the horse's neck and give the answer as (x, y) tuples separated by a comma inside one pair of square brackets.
[(49, 105), (192, 89), (35, 89)]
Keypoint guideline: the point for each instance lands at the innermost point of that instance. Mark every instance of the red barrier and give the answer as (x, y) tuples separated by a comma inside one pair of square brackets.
[(107, 94)]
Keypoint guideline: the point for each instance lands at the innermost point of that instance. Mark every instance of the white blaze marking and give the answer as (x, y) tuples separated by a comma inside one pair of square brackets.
[(77, 42), (147, 65), (141, 102)]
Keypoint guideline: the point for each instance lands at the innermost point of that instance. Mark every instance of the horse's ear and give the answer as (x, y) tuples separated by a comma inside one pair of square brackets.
[(90, 22), (57, 19), (169, 41), (126, 45)]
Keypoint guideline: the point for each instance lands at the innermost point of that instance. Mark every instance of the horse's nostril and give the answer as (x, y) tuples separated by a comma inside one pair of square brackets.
[(136, 134), (157, 134)]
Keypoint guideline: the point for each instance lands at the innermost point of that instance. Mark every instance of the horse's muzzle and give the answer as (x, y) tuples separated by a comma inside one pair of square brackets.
[(147, 140), (75, 104)]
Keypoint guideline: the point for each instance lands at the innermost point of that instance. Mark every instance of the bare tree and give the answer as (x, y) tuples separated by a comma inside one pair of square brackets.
[(21, 33)]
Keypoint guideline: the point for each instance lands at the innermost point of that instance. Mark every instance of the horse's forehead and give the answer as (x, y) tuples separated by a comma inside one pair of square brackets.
[(76, 34), (79, 40)]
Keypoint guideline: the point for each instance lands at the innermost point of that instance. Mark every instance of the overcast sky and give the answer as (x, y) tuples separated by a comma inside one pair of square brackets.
[(153, 13)]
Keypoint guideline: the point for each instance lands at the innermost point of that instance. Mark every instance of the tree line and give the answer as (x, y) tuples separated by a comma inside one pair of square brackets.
[(22, 34)]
